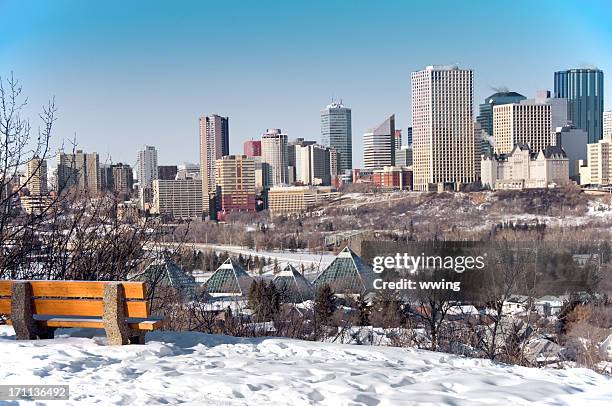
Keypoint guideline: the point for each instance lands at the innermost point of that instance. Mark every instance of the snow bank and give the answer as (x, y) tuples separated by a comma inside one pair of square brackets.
[(200, 369)]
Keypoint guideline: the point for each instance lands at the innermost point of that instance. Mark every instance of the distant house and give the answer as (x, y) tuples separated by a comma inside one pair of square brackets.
[(164, 272), (516, 304), (229, 280), (348, 274), (550, 305)]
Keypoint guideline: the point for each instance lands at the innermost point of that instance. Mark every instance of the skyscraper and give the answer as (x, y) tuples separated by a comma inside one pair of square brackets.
[(147, 167), (80, 170), (521, 124), (485, 118), (583, 89), (379, 145), (214, 143), (123, 179), (336, 133), (252, 148), (442, 127), (274, 153), (36, 176), (312, 164), (235, 177)]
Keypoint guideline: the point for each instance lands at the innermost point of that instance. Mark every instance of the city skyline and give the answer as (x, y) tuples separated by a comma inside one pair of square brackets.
[(152, 85)]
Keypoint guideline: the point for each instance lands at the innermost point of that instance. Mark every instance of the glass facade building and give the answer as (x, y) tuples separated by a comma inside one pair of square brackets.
[(485, 116), (336, 133), (583, 89)]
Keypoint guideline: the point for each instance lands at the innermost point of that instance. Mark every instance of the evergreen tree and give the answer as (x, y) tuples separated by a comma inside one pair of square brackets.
[(324, 305)]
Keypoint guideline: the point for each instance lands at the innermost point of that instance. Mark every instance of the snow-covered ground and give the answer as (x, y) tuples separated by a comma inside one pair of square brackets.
[(198, 369)]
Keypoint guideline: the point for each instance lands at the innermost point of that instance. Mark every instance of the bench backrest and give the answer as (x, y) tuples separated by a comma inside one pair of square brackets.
[(75, 298)]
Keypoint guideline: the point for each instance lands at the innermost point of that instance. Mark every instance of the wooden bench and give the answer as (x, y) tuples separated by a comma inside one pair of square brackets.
[(37, 308)]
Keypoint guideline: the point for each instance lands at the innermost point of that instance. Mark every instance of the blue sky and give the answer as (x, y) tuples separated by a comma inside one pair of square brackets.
[(129, 73)]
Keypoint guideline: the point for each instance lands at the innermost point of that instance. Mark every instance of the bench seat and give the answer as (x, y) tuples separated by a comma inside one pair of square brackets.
[(36, 308), (148, 324)]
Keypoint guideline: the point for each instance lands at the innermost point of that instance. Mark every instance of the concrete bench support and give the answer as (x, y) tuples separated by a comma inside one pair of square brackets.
[(22, 315)]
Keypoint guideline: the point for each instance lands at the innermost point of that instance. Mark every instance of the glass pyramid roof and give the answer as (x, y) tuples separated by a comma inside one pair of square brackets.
[(347, 274), (293, 285), (229, 280), (165, 272)]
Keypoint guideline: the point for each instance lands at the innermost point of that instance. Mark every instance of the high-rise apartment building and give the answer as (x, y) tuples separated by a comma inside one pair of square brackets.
[(147, 167), (252, 148), (444, 146), (558, 108), (584, 91), (80, 170), (177, 199), (123, 179), (274, 153), (312, 164), (521, 124), (379, 145), (598, 168), (36, 177), (337, 133), (235, 177), (485, 116), (214, 143), (607, 123)]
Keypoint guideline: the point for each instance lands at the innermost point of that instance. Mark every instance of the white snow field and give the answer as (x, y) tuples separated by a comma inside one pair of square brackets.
[(199, 369)]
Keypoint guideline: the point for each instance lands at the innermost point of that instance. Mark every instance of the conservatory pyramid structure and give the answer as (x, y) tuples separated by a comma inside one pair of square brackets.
[(229, 280), (347, 274), (165, 272), (293, 286)]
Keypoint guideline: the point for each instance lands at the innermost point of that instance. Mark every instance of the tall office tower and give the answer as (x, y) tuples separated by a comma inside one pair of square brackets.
[(106, 177), (214, 143), (558, 108), (252, 148), (235, 177), (123, 179), (36, 176), (336, 133), (409, 136), (274, 153), (442, 127), (147, 167), (398, 139), (584, 91), (521, 124), (607, 123), (291, 157), (485, 117), (379, 145), (167, 172), (80, 170), (312, 164)]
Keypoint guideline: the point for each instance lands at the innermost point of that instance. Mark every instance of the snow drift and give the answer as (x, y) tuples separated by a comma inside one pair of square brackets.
[(200, 369)]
